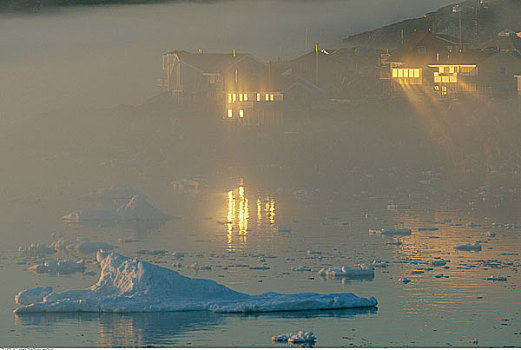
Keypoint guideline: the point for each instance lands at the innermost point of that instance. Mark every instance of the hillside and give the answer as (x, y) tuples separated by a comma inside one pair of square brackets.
[(480, 21)]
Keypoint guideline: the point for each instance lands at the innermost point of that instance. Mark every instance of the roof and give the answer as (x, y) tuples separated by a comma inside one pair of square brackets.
[(471, 57), (211, 62), (420, 38), (502, 42)]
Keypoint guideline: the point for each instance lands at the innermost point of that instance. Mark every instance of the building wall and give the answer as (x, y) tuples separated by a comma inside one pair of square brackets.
[(496, 74)]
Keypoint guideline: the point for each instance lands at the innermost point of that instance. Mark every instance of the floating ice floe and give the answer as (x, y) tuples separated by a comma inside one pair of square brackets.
[(476, 246), (137, 208), (496, 278), (300, 268), (131, 285), (178, 255), (398, 206), (198, 267), (299, 337), (80, 245), (396, 231), (32, 295), (263, 267), (379, 263), (404, 280), (439, 262), (489, 234), (64, 266), (284, 228), (36, 249), (362, 270), (472, 224), (314, 252), (428, 229)]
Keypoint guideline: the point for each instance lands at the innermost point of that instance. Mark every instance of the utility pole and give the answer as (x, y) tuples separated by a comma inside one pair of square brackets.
[(457, 9), (316, 64), (307, 40)]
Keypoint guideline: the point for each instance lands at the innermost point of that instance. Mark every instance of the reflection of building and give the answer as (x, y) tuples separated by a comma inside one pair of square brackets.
[(239, 219)]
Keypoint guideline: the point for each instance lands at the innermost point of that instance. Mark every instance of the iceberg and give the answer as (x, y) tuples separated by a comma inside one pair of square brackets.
[(359, 271), (476, 246), (130, 285), (299, 337), (63, 267), (137, 208), (35, 250), (32, 295)]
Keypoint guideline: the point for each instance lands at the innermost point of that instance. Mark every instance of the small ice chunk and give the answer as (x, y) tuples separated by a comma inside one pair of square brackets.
[(472, 224), (299, 337), (496, 278), (198, 267), (428, 229), (314, 252), (489, 234), (284, 228), (35, 249), (65, 266), (178, 255), (396, 231), (404, 280), (476, 246), (32, 295), (300, 268), (379, 263), (362, 270), (263, 267), (80, 245), (439, 262), (417, 272)]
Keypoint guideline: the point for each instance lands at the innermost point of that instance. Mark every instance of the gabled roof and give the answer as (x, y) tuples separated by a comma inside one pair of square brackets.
[(212, 62), (502, 42), (419, 38)]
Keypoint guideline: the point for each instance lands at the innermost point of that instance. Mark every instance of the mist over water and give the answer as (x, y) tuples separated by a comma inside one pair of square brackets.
[(80, 112)]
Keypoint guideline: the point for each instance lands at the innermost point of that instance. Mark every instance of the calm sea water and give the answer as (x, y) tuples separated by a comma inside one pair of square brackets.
[(329, 179)]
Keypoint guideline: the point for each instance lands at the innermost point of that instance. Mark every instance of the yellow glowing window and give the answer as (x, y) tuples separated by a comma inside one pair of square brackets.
[(442, 70), (451, 69), (258, 97), (272, 97), (234, 97), (416, 73), (240, 97), (241, 113), (453, 79), (395, 73), (229, 98), (437, 79), (436, 87), (230, 113), (267, 97), (400, 73), (445, 79), (411, 73), (406, 73), (245, 97)]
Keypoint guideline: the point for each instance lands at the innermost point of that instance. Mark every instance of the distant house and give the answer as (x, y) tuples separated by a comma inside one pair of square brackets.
[(303, 93), (408, 64), (505, 41), (235, 84), (487, 73)]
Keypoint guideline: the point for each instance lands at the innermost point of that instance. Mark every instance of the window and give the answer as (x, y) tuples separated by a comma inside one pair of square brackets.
[(267, 97), (395, 73), (416, 73), (442, 70), (245, 97), (230, 113), (234, 97), (405, 73), (241, 113), (229, 98), (240, 97), (400, 73), (272, 97), (258, 97)]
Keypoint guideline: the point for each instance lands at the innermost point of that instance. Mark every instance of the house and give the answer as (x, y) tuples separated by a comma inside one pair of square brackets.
[(518, 77), (408, 64), (505, 41), (484, 72), (235, 84)]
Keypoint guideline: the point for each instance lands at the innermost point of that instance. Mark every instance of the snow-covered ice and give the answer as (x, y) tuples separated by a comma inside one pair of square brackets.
[(396, 231), (295, 338), (80, 245), (32, 295), (131, 285), (36, 249), (361, 270), (64, 266), (468, 246), (137, 208), (496, 278)]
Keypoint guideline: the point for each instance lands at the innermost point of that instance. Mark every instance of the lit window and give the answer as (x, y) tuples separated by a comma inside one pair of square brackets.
[(245, 97), (267, 97), (395, 73), (230, 113), (437, 79), (416, 73), (445, 79), (400, 73), (442, 70), (241, 113), (240, 97), (258, 97), (453, 79), (436, 87), (229, 98), (234, 97), (451, 69), (406, 73), (272, 97)]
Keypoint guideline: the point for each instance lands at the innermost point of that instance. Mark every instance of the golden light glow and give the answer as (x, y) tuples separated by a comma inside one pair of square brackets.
[(241, 113), (230, 113), (229, 98), (240, 97), (267, 97), (234, 97), (258, 97), (272, 97), (245, 97)]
